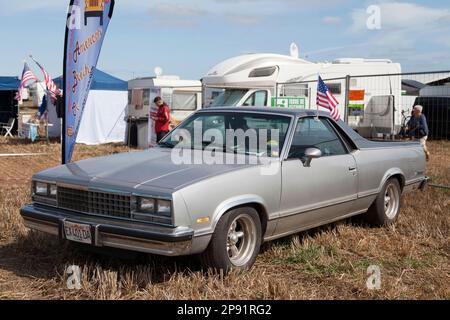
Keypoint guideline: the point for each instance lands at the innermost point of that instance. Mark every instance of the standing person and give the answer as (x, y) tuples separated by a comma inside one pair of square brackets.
[(418, 128), (162, 118)]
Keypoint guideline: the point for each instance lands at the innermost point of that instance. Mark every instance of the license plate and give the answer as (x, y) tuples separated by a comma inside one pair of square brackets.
[(78, 232)]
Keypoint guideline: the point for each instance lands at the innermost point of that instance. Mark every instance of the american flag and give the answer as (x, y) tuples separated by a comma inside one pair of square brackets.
[(27, 75), (49, 83), (325, 99)]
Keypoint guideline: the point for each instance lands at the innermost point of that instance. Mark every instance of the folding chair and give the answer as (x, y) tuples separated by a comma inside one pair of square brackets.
[(8, 127)]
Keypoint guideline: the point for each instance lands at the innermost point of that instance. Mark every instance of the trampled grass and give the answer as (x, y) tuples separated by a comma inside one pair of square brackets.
[(325, 263)]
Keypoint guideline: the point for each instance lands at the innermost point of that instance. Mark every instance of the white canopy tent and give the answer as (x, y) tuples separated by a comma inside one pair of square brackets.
[(104, 114)]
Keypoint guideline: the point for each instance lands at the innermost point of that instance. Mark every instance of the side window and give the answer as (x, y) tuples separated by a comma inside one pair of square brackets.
[(214, 122), (313, 133), (257, 99), (130, 96), (204, 124), (260, 98), (184, 101), (335, 88)]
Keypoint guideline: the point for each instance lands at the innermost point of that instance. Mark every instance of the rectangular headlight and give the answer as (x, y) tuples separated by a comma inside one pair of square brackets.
[(41, 189), (53, 190), (152, 210), (44, 193), (164, 208), (146, 205)]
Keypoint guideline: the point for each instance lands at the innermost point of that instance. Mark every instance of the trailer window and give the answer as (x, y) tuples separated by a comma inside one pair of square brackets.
[(229, 98), (137, 99), (335, 88), (184, 101), (294, 90), (257, 99), (146, 97)]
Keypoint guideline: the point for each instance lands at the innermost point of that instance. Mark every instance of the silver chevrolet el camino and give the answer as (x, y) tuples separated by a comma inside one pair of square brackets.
[(317, 171)]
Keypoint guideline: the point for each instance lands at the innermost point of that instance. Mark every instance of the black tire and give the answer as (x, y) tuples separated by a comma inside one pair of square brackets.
[(386, 208), (219, 255)]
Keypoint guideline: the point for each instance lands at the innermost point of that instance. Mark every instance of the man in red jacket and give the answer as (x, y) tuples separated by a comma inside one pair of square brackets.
[(162, 118)]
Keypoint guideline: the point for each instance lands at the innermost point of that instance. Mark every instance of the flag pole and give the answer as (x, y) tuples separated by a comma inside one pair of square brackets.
[(19, 120), (31, 57), (317, 106), (38, 81), (64, 93)]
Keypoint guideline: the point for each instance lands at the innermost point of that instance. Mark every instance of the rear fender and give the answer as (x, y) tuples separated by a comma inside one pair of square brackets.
[(389, 174)]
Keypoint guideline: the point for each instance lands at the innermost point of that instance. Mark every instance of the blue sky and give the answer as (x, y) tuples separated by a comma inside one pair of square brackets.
[(188, 37)]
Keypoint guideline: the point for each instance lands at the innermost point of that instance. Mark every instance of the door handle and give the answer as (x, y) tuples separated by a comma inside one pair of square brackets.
[(351, 168)]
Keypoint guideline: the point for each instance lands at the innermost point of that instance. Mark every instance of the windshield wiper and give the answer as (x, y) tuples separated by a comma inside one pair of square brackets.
[(235, 150), (166, 145)]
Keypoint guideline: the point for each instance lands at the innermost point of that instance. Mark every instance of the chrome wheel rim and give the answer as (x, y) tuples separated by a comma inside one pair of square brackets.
[(241, 240), (391, 201)]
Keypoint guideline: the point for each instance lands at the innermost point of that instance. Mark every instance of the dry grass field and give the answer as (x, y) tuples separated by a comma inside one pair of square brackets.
[(326, 263)]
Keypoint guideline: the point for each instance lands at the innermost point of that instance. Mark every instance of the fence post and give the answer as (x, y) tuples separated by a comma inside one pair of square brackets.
[(203, 95), (309, 96), (347, 101), (276, 95)]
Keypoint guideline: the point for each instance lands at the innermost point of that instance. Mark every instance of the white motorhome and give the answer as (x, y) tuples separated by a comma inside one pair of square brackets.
[(278, 80), (183, 96)]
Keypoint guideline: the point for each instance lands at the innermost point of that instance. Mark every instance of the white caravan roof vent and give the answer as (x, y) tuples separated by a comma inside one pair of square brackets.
[(262, 72)]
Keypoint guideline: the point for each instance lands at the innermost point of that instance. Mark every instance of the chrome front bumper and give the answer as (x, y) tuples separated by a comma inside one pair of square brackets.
[(133, 236)]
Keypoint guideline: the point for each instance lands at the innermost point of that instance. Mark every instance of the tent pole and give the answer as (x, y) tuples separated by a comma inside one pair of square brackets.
[(117, 121)]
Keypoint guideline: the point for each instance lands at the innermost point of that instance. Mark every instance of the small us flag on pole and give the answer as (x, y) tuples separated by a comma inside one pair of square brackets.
[(325, 99), (27, 75)]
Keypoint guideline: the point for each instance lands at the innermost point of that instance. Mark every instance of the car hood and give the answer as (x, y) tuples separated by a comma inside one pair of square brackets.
[(151, 168)]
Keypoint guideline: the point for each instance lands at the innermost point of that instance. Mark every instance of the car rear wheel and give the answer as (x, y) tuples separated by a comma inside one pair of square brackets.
[(236, 241), (386, 208)]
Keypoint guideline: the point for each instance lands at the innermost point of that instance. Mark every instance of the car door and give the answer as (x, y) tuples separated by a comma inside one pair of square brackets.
[(324, 191)]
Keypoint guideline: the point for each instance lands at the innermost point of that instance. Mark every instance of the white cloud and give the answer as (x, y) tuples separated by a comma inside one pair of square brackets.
[(170, 10), (176, 15), (243, 20), (332, 20), (444, 41), (15, 7), (406, 29), (184, 15), (402, 15)]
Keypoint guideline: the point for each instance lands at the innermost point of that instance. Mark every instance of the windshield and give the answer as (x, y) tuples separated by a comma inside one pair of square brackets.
[(239, 133), (229, 98)]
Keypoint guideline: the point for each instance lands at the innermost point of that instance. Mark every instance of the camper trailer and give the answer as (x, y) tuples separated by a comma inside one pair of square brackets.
[(286, 81), (183, 96)]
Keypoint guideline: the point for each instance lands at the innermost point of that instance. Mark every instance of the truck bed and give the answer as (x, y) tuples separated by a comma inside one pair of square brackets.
[(363, 143)]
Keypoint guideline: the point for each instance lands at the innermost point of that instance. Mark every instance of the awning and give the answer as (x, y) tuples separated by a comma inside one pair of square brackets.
[(9, 83)]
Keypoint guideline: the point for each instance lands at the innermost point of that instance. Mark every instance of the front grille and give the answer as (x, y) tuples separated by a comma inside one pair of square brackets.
[(91, 202)]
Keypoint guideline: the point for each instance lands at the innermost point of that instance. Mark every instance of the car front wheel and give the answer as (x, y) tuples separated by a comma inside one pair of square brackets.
[(236, 241)]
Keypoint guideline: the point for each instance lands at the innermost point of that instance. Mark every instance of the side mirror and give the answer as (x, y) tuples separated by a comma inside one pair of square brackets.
[(310, 154)]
